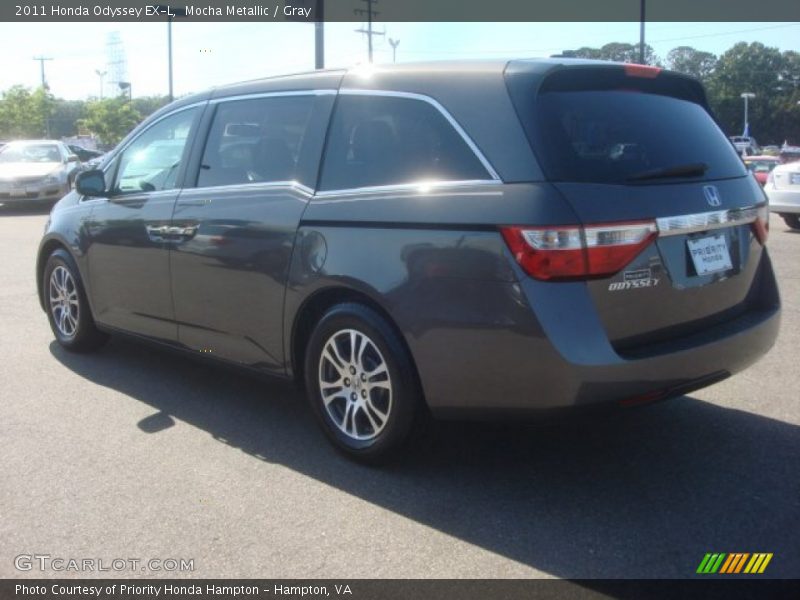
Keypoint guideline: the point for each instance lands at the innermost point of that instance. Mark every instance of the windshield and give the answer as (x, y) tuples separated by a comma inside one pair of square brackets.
[(32, 153), (615, 136)]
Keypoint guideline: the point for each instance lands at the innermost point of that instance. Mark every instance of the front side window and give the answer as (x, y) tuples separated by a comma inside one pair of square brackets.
[(387, 140), (259, 140), (151, 162)]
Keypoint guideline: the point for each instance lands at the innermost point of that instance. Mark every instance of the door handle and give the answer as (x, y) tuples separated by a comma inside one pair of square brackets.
[(187, 232), (197, 202), (170, 233)]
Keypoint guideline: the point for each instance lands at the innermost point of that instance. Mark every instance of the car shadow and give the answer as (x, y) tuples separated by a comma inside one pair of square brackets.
[(639, 493)]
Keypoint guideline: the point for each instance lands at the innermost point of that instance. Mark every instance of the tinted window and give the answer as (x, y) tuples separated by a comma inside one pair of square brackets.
[(257, 140), (382, 140), (150, 163), (610, 136)]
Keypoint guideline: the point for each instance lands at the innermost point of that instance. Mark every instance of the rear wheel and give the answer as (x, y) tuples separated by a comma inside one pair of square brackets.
[(792, 221), (67, 306), (361, 383)]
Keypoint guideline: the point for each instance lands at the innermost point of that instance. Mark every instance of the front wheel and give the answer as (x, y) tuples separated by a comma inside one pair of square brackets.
[(67, 306), (361, 383), (792, 221)]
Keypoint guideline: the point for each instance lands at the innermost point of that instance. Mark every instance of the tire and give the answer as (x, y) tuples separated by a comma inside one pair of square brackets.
[(374, 399), (792, 221), (67, 307)]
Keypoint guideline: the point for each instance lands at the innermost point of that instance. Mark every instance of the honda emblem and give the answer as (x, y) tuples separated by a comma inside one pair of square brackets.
[(712, 195)]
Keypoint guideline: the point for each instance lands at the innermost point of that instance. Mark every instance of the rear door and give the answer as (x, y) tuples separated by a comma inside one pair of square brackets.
[(631, 144), (235, 228)]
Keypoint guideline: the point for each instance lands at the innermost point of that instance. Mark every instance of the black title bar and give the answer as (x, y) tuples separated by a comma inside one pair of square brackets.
[(402, 10)]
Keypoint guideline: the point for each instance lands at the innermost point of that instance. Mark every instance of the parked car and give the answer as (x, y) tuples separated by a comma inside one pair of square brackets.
[(83, 154), (453, 238), (746, 146), (36, 171), (783, 191), (790, 154), (761, 166)]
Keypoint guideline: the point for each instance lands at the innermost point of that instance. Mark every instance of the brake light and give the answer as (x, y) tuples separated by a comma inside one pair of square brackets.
[(575, 252), (645, 71), (761, 224)]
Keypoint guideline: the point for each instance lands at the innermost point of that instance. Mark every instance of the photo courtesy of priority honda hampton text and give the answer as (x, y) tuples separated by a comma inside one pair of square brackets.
[(449, 239)]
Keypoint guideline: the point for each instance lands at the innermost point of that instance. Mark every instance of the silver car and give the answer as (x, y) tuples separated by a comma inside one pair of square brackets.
[(36, 171)]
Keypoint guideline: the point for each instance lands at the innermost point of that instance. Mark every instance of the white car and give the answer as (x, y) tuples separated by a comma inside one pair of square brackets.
[(783, 191), (36, 171)]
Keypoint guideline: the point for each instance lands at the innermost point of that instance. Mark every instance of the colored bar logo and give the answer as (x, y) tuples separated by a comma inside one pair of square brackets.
[(731, 564)]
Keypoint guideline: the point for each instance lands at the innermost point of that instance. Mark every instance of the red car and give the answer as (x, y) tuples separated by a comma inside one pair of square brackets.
[(761, 166)]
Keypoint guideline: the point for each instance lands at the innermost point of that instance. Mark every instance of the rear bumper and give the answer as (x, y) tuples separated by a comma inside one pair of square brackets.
[(48, 194), (783, 201), (553, 352)]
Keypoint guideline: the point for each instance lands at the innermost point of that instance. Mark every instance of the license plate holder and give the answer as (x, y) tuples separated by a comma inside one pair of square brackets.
[(794, 178), (710, 254), (16, 191)]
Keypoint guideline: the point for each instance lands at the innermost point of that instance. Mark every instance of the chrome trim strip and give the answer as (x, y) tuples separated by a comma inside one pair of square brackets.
[(276, 94), (419, 187), (717, 219), (252, 185), (455, 124)]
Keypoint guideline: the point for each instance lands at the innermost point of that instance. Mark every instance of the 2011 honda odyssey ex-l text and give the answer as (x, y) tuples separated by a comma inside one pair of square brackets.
[(438, 238)]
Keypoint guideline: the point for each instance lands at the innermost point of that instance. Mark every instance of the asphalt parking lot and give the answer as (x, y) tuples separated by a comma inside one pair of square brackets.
[(137, 453)]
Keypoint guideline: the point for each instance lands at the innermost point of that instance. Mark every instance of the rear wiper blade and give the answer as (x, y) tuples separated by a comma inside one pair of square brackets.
[(689, 170)]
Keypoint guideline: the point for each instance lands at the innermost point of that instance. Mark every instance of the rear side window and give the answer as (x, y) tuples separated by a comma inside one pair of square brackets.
[(256, 141), (614, 136), (386, 140)]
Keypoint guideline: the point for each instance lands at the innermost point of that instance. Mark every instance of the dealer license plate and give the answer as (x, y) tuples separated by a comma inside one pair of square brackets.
[(710, 254)]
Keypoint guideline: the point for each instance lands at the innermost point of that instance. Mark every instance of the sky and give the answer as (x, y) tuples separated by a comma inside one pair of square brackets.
[(211, 54)]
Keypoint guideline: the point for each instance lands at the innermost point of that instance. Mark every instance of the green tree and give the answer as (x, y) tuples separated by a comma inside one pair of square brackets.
[(110, 119), (616, 51), (147, 105), (25, 113), (695, 63), (65, 117), (769, 74)]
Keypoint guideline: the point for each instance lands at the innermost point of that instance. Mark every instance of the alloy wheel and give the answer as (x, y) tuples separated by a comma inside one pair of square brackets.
[(355, 384)]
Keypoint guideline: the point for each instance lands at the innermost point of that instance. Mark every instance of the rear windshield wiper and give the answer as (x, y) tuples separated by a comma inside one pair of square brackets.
[(688, 170)]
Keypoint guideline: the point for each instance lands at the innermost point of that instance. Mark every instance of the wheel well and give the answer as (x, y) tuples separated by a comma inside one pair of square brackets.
[(311, 312), (49, 247)]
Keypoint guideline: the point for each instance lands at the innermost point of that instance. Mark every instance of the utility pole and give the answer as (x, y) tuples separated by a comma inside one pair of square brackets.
[(319, 36), (641, 34), (170, 12), (41, 60), (394, 44), (101, 75), (370, 14)]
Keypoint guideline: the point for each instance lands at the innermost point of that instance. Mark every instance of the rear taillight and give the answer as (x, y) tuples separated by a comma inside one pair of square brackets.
[(761, 224), (575, 252)]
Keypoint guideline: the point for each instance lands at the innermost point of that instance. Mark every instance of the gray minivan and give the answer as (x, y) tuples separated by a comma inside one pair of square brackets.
[(444, 238)]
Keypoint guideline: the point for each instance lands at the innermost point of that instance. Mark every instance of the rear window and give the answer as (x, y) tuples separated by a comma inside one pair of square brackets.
[(385, 140), (614, 136)]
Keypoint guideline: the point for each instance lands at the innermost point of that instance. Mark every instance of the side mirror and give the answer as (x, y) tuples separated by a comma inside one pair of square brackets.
[(72, 158), (91, 183)]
